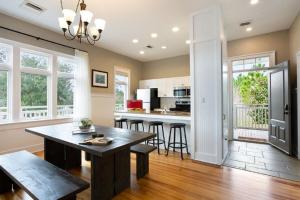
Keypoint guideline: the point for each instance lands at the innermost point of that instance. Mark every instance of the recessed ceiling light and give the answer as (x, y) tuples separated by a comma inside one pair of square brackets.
[(248, 29), (163, 47), (175, 29), (135, 41), (154, 35), (142, 52), (253, 2), (188, 41)]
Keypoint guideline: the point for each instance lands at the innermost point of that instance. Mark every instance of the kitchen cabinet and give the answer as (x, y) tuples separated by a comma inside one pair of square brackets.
[(165, 85)]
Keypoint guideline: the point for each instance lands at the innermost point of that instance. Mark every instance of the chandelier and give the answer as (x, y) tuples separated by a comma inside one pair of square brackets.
[(82, 30)]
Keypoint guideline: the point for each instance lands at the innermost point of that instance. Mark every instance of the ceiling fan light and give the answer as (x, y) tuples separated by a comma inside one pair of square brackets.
[(69, 15), (86, 16), (100, 24), (62, 23)]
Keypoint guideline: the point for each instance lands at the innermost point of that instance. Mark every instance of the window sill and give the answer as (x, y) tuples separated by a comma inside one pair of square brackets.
[(31, 123)]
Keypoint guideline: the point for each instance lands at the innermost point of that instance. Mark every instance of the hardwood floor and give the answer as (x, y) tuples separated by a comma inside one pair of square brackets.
[(171, 178)]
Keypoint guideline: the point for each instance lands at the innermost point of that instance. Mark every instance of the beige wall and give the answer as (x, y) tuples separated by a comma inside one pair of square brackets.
[(278, 41), (169, 67), (294, 46), (99, 58)]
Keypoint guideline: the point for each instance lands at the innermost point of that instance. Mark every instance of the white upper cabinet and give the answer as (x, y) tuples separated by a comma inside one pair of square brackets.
[(165, 85)]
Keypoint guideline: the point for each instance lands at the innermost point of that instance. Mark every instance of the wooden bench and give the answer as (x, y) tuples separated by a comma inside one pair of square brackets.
[(142, 158), (38, 178)]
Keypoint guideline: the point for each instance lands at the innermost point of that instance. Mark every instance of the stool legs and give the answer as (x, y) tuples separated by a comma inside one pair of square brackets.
[(187, 149), (169, 141), (163, 133), (181, 144)]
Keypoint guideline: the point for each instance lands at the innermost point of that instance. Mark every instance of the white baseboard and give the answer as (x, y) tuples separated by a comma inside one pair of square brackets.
[(32, 148), (208, 158)]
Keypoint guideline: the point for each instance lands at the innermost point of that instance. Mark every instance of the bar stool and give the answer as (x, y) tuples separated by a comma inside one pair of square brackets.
[(136, 123), (177, 145), (119, 122), (157, 140)]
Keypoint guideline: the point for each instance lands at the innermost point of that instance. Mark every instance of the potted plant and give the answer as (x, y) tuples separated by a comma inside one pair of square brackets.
[(85, 124)]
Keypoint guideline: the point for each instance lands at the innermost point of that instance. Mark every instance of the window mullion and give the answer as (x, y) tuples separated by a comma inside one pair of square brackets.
[(53, 85), (15, 86)]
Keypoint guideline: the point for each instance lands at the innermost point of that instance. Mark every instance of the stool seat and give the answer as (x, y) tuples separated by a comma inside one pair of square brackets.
[(121, 120), (156, 123), (177, 125), (136, 121)]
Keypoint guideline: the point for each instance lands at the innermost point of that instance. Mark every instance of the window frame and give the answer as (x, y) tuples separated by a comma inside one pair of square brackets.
[(14, 90), (270, 54), (8, 68), (121, 70)]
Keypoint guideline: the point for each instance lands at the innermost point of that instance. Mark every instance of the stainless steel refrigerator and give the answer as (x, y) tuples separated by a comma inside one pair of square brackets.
[(149, 97)]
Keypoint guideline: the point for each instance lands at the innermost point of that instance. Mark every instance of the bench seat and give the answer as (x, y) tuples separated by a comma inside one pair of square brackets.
[(38, 178), (142, 158)]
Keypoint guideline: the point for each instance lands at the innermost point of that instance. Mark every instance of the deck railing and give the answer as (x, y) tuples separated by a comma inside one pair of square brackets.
[(251, 116), (38, 112)]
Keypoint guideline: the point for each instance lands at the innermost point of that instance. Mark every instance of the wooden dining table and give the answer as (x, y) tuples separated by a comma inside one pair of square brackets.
[(110, 164)]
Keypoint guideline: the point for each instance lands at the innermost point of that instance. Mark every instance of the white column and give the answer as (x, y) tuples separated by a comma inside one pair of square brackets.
[(206, 77), (16, 85)]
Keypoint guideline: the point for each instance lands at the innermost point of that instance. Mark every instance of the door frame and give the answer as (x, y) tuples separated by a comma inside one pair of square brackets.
[(271, 54)]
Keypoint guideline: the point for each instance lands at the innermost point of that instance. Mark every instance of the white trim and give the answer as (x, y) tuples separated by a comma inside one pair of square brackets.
[(128, 72), (14, 86), (102, 95), (31, 148), (271, 54)]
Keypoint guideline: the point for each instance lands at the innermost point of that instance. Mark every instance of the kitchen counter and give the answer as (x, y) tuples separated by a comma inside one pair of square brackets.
[(171, 116), (167, 118)]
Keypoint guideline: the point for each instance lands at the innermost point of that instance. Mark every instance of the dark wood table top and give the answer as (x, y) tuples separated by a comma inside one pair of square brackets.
[(39, 178), (62, 133)]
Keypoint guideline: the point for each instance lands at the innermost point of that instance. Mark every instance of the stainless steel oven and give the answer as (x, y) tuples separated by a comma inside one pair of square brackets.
[(182, 91)]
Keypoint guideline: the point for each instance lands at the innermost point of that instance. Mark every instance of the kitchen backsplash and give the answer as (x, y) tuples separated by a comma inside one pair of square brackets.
[(167, 102)]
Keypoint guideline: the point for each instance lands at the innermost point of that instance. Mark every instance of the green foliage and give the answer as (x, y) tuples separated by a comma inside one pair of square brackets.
[(34, 87), (33, 90), (3, 89), (64, 91), (253, 89), (119, 96)]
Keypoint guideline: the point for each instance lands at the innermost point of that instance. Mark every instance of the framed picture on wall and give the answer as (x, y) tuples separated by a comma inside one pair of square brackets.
[(99, 79)]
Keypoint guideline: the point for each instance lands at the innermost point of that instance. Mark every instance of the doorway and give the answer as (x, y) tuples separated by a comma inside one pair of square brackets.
[(261, 118)]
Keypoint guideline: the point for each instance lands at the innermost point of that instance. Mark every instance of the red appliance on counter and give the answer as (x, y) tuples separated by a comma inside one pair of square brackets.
[(133, 104)]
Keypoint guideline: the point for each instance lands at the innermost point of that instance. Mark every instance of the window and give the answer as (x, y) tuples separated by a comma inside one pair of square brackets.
[(5, 68), (65, 87), (251, 63), (35, 83), (121, 89)]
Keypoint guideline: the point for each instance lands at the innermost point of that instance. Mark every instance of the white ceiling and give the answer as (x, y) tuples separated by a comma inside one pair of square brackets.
[(129, 19)]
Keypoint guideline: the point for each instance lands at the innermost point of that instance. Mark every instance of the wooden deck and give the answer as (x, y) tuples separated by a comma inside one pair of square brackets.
[(171, 178)]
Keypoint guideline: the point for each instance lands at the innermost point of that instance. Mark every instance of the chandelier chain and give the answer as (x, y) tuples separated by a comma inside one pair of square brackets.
[(77, 6)]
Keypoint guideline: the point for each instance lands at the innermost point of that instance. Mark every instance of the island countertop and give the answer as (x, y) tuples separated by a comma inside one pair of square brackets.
[(154, 115)]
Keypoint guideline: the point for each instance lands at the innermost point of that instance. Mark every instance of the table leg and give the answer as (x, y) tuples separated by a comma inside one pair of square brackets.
[(122, 170), (54, 153), (73, 157), (5, 183), (110, 174), (62, 156), (102, 177)]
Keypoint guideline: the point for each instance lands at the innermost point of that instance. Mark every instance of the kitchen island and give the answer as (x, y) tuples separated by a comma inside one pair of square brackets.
[(167, 118)]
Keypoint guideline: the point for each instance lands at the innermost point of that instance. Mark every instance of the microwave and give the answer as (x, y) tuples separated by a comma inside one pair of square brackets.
[(182, 91)]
